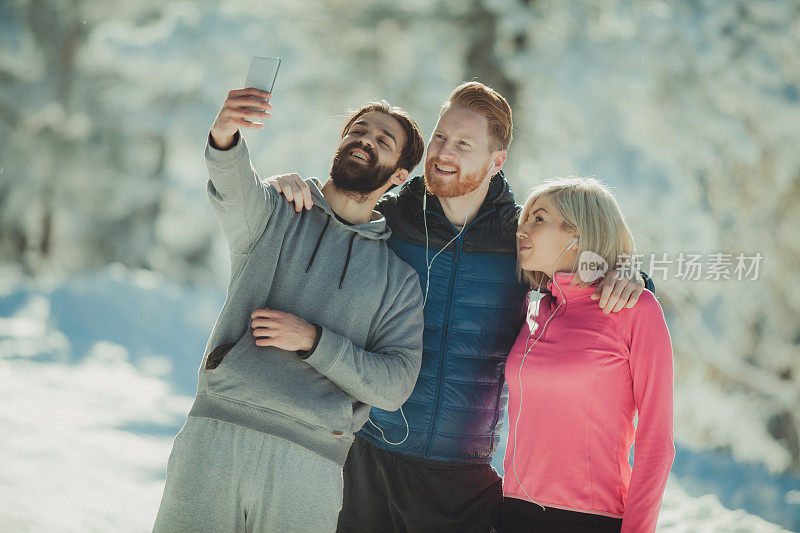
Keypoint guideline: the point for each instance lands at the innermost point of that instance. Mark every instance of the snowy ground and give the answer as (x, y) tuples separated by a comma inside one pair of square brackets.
[(97, 375)]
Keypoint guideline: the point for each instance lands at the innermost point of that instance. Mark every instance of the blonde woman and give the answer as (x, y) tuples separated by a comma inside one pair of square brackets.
[(577, 377)]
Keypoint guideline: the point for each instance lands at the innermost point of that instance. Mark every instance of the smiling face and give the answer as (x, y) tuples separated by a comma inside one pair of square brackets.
[(542, 238), (368, 154), (458, 154)]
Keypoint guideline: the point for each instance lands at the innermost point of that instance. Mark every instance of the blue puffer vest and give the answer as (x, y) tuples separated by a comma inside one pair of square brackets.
[(472, 316)]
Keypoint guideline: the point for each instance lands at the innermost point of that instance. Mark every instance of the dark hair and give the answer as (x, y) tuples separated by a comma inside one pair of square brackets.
[(414, 147)]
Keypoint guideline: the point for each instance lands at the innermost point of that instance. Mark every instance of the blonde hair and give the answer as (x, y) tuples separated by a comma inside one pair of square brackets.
[(482, 99), (589, 209)]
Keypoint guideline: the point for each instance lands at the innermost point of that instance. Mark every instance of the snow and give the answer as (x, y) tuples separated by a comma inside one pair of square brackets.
[(687, 109), (72, 464), (98, 373)]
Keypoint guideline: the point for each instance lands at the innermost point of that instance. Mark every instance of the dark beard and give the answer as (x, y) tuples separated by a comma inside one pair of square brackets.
[(359, 179)]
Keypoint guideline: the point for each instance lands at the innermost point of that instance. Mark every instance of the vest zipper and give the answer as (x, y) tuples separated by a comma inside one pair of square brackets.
[(446, 323)]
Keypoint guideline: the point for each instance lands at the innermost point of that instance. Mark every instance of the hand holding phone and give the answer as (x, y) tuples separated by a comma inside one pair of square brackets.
[(249, 107)]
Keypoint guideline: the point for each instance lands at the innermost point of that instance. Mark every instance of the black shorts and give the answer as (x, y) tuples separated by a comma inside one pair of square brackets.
[(387, 492), (523, 516)]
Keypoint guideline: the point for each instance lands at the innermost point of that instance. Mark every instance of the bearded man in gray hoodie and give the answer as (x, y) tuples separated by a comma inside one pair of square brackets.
[(321, 322)]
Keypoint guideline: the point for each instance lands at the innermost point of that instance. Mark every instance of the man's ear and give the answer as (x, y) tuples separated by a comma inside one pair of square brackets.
[(499, 159), (399, 176)]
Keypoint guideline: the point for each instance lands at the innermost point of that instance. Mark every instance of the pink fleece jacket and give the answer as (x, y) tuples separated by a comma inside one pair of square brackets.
[(572, 417)]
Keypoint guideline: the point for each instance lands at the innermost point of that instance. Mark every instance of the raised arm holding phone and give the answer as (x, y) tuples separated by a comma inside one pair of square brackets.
[(321, 322)]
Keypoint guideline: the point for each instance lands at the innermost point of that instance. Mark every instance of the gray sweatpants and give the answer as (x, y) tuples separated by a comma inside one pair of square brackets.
[(224, 477)]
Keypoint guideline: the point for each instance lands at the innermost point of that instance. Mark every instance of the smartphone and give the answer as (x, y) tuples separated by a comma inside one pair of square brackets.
[(262, 75)]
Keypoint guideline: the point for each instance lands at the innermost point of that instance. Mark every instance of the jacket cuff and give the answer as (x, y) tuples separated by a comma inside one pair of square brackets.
[(327, 352), (225, 157), (305, 354), (648, 283)]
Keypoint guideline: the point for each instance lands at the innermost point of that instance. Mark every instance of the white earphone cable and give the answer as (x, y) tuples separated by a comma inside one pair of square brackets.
[(522, 364), (428, 265)]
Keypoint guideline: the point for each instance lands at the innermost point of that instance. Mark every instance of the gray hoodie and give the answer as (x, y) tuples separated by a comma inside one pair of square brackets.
[(342, 277)]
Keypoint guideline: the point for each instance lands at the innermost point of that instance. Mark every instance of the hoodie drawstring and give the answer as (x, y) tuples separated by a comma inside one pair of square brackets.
[(319, 240), (347, 261), (316, 248)]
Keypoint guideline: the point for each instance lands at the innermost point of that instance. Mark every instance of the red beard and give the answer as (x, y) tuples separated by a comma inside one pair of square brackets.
[(455, 186)]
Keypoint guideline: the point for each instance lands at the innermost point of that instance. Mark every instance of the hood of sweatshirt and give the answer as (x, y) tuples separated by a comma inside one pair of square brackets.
[(375, 229)]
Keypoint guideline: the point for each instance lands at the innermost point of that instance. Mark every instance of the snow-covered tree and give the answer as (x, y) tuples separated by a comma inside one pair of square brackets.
[(692, 111), (689, 109)]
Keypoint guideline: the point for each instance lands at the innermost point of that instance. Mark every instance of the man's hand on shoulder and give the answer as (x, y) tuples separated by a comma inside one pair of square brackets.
[(293, 188), (282, 330), (618, 290)]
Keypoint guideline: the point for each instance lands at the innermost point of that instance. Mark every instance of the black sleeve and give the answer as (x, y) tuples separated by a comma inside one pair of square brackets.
[(214, 145), (648, 283), (306, 354)]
